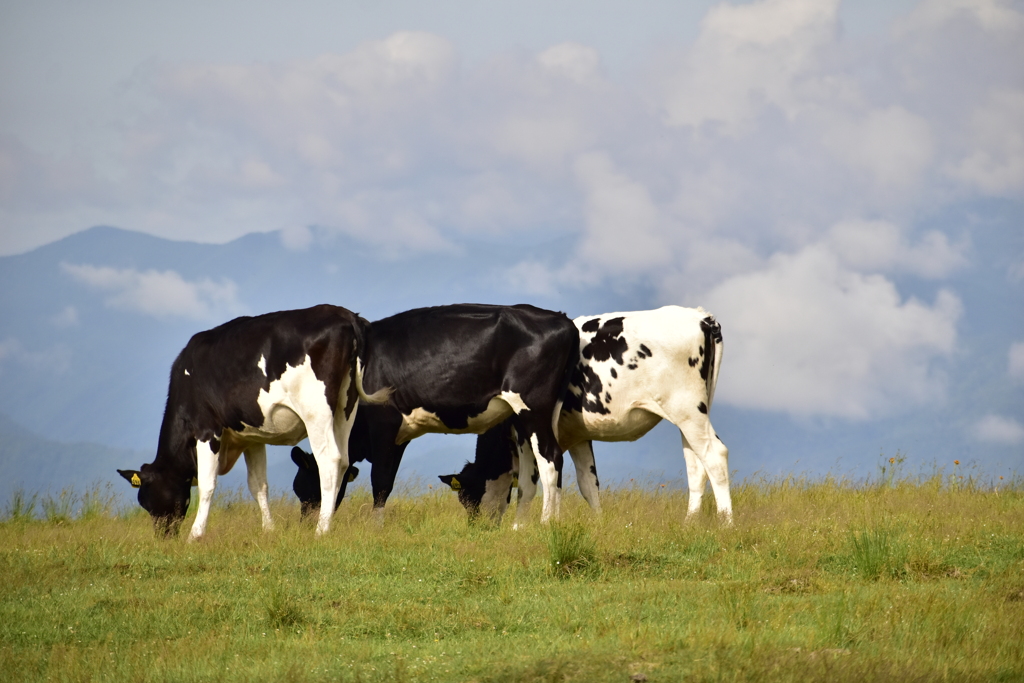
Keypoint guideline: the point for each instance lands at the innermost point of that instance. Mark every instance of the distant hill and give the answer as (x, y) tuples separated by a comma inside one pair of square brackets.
[(38, 465)]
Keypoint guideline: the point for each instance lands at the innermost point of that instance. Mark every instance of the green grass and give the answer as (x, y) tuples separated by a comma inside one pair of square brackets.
[(817, 581)]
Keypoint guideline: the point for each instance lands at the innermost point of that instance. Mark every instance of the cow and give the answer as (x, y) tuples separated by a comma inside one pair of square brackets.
[(634, 370), (270, 379), (485, 484), (463, 369), (308, 477)]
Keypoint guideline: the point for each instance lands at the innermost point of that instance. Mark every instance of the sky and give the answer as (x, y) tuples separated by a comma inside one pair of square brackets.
[(829, 178)]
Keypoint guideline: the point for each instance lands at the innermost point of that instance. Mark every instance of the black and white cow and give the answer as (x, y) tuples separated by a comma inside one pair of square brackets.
[(271, 379), (635, 369), (463, 369)]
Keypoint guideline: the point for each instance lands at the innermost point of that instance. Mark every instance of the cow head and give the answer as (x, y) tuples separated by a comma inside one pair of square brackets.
[(164, 495), (479, 494), (306, 484)]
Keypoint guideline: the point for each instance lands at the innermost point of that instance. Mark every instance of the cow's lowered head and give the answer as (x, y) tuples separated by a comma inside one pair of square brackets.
[(306, 484), (164, 495), (479, 494)]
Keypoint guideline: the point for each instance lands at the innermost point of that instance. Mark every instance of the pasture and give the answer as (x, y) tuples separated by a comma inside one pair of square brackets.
[(912, 579)]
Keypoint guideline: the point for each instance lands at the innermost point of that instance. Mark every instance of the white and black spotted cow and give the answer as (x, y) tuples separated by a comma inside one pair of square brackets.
[(462, 369), (271, 379), (635, 369)]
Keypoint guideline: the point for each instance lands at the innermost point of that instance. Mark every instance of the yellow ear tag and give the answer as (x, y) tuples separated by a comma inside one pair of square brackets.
[(136, 482), (195, 481), (456, 486), (515, 482)]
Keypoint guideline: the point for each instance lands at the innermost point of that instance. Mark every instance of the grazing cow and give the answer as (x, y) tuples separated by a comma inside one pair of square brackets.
[(463, 369), (634, 370), (308, 478), (486, 483), (271, 379)]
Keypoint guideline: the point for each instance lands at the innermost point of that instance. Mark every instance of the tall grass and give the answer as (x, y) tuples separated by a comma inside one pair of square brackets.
[(818, 580), (20, 507), (571, 548), (879, 552), (58, 509)]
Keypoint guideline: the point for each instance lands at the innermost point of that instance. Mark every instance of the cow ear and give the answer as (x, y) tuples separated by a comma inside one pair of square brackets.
[(134, 477), (299, 457), (353, 472), (451, 480)]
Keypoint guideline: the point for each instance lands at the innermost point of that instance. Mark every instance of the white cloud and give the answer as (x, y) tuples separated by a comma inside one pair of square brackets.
[(999, 429), (1016, 361), (576, 62), (878, 245), (997, 16), (160, 294), (542, 140), (257, 174), (994, 161), (532, 278), (68, 317), (623, 232), (807, 336), (296, 238), (894, 145), (54, 360), (747, 55)]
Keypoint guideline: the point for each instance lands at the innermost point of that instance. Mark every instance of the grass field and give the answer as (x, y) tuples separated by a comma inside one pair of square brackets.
[(908, 580)]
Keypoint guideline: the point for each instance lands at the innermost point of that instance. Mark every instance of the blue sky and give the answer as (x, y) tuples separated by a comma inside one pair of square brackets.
[(833, 180)]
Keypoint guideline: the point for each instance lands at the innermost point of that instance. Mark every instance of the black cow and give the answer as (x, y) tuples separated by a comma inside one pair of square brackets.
[(269, 379), (488, 481), (463, 369), (308, 478)]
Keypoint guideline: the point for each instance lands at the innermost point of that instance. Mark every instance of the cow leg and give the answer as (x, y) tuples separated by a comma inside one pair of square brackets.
[(328, 437), (206, 477), (714, 457), (696, 478), (256, 465), (582, 455), (527, 484), (551, 479), (383, 473)]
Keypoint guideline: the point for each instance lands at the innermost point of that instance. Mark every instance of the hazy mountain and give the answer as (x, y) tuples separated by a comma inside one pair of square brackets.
[(38, 465)]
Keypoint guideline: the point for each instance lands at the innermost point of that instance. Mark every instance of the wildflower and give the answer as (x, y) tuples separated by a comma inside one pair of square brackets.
[(892, 460), (956, 462)]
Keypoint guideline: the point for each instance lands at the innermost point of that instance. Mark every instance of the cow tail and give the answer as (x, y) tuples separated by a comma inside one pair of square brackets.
[(570, 367), (713, 347), (381, 396)]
